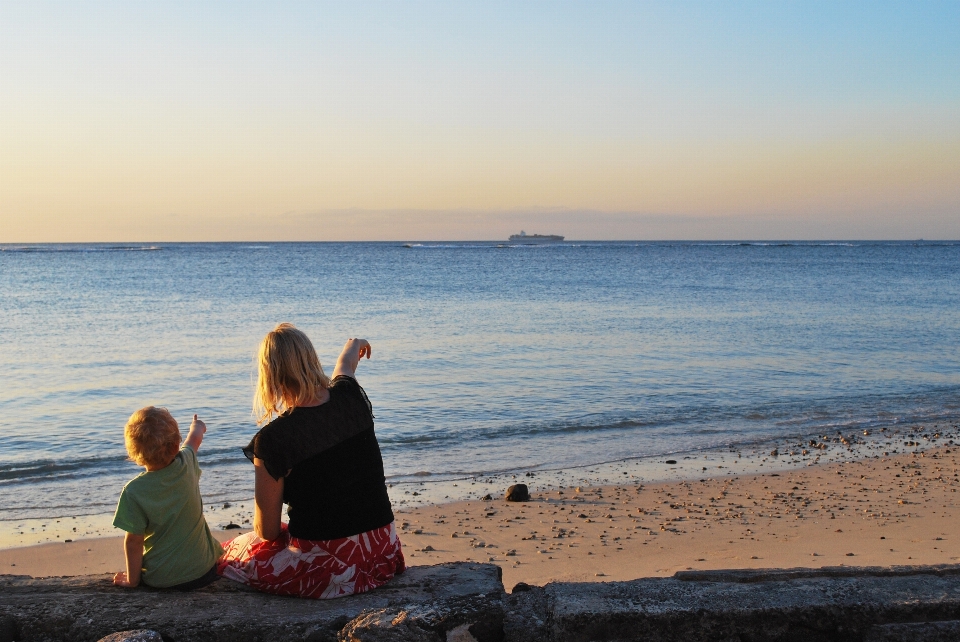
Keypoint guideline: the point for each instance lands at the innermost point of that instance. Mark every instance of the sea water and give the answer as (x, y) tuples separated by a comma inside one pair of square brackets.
[(487, 357)]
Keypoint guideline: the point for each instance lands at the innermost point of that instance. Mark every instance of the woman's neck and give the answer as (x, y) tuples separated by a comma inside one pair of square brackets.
[(319, 400)]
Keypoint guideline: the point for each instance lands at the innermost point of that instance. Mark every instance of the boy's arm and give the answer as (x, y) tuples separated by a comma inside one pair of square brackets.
[(133, 552), (195, 436)]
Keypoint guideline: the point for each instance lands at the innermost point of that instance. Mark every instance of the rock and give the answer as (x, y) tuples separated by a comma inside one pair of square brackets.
[(671, 461), (518, 493), (80, 609), (520, 587), (948, 631), (465, 603), (774, 453), (231, 526), (838, 603), (487, 497), (385, 625), (9, 631), (136, 635), (461, 634), (526, 616)]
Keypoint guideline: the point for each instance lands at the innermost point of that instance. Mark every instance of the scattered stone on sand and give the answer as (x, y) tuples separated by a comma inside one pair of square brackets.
[(518, 493)]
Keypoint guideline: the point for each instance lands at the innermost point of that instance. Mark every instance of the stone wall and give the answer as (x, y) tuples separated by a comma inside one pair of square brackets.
[(466, 602)]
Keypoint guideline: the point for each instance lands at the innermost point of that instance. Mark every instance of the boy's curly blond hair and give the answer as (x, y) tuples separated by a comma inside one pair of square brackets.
[(152, 437)]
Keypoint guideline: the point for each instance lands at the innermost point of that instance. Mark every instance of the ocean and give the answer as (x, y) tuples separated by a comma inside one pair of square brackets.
[(488, 358)]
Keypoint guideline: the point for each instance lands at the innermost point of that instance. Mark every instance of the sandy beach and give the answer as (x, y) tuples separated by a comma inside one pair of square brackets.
[(880, 510)]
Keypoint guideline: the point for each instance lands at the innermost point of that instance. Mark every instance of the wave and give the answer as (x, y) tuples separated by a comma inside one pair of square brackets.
[(480, 245), (76, 248), (665, 430), (50, 470), (868, 411), (452, 246), (779, 244)]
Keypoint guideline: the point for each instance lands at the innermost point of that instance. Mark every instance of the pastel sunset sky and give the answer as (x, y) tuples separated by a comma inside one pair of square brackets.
[(208, 121)]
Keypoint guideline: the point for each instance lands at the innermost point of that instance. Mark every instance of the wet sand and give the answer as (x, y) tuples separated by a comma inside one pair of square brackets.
[(881, 510)]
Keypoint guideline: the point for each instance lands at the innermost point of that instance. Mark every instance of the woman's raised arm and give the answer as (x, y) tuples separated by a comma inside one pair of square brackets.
[(353, 351)]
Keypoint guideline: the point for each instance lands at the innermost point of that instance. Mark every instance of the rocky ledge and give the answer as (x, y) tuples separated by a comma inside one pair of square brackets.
[(466, 602)]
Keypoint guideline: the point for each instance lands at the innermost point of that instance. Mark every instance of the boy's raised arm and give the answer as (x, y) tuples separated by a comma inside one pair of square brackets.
[(195, 436)]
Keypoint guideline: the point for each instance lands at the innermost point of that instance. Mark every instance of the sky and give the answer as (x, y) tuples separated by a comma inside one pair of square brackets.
[(207, 121)]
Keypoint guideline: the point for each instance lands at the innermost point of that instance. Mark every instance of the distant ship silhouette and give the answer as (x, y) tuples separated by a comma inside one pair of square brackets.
[(523, 237)]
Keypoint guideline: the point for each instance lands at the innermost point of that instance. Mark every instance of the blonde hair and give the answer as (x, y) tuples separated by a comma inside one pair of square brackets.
[(152, 437), (289, 373)]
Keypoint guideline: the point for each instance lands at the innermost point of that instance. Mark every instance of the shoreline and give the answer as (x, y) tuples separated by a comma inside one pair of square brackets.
[(751, 458), (874, 511)]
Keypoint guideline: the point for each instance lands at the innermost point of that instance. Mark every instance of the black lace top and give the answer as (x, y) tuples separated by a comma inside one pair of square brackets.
[(334, 484)]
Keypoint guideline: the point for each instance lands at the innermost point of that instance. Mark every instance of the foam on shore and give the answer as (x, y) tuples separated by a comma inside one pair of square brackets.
[(736, 460)]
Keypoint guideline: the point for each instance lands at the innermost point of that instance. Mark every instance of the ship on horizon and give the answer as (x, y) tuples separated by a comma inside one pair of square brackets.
[(523, 237)]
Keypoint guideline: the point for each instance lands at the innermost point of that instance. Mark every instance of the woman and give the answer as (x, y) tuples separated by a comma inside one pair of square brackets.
[(320, 457)]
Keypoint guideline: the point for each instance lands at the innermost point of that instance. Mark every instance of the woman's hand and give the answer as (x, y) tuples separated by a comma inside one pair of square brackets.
[(353, 351)]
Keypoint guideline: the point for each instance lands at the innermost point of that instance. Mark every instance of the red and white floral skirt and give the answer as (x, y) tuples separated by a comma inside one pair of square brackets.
[(320, 569)]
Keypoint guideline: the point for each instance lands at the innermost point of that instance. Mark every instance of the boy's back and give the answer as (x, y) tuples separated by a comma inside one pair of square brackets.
[(166, 507), (168, 542)]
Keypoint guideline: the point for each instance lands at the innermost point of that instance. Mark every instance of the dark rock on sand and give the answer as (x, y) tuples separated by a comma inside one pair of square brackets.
[(518, 493)]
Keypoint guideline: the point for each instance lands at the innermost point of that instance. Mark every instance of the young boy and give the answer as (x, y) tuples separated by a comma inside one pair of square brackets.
[(168, 543)]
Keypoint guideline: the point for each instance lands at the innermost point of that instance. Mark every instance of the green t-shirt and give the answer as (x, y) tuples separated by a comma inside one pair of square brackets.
[(165, 506)]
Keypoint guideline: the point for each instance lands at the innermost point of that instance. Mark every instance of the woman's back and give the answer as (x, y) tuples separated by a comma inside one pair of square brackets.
[(335, 487)]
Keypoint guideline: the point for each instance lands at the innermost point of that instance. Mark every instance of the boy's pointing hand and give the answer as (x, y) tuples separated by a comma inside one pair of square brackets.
[(195, 436)]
